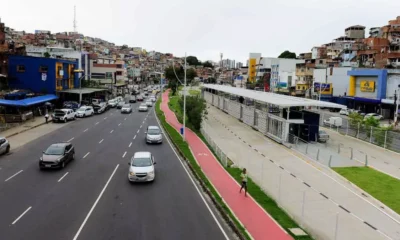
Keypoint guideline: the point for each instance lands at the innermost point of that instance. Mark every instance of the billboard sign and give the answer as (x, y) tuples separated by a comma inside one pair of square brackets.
[(325, 88), (367, 86)]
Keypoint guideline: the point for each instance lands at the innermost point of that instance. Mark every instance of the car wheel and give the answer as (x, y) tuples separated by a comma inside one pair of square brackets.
[(63, 164), (73, 156), (8, 149), (65, 120)]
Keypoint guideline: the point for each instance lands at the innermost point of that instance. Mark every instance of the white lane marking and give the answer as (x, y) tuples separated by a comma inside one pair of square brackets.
[(112, 131), (97, 123), (124, 154), (141, 126), (125, 119), (59, 180), (130, 114), (194, 184), (130, 144), (71, 139), (143, 122), (138, 131), (86, 130), (134, 137), (95, 203), (101, 141), (13, 175), (105, 118), (86, 154), (16, 220), (119, 124), (111, 114)]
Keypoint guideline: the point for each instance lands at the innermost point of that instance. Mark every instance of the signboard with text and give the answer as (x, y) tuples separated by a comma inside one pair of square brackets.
[(325, 88), (367, 86)]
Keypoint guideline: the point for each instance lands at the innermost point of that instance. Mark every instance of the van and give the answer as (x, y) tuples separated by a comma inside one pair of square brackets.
[(333, 122)]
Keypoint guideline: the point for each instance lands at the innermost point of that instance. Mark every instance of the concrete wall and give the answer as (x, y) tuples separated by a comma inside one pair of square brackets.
[(339, 80), (393, 82)]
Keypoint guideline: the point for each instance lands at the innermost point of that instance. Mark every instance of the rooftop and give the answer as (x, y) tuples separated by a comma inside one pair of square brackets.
[(273, 98)]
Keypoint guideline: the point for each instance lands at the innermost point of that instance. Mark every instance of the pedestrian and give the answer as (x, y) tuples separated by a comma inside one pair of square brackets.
[(46, 117), (243, 175)]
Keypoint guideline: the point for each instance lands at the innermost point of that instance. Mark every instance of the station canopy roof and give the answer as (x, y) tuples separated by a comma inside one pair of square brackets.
[(83, 90), (273, 98)]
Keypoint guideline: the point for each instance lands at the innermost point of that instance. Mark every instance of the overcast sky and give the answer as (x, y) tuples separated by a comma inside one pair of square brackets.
[(204, 28)]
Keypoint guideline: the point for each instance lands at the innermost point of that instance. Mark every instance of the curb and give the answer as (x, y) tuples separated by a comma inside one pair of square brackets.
[(14, 134), (219, 207)]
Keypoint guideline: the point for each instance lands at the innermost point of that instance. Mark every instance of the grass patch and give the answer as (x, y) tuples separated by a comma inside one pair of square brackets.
[(194, 92), (185, 151), (263, 199), (173, 104), (379, 185)]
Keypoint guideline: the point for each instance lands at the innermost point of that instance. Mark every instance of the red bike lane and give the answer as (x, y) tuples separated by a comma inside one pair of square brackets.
[(257, 222)]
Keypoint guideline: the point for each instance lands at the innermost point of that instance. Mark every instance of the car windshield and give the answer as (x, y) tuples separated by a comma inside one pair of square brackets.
[(143, 105), (322, 132), (141, 162), (55, 150), (82, 109), (111, 101), (127, 106), (59, 113), (153, 131)]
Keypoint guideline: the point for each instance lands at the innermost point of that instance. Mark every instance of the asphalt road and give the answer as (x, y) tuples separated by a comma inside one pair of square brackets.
[(91, 198)]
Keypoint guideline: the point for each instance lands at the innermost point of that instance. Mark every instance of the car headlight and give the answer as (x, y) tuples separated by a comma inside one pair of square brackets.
[(41, 159), (151, 173), (131, 173)]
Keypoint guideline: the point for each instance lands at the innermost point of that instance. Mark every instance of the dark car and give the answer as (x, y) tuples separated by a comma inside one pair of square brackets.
[(120, 104), (57, 155), (132, 99)]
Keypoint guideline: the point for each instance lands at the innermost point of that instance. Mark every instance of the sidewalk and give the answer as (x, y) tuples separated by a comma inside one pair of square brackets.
[(37, 121), (315, 199), (257, 222)]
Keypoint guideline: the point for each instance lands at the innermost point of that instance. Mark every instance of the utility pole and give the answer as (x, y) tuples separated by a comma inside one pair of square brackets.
[(184, 104), (396, 102)]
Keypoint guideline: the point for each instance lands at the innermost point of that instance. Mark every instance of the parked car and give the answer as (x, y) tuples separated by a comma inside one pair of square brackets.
[(100, 107), (333, 122), (112, 103), (322, 136), (358, 111), (374, 115), (132, 99), (153, 135), (344, 111), (120, 104), (4, 145), (85, 111), (63, 115), (141, 167), (126, 108), (143, 107), (149, 103), (71, 105), (57, 155)]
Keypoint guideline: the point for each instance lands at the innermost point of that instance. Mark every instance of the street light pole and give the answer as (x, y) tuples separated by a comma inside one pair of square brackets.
[(184, 104), (396, 102)]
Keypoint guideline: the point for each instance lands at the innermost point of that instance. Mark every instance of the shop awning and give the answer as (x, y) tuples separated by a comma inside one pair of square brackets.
[(27, 102)]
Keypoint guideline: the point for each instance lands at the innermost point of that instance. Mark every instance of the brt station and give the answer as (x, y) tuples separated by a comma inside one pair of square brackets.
[(279, 117)]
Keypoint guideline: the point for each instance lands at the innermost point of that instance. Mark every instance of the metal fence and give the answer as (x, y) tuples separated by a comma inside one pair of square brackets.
[(386, 139), (220, 154)]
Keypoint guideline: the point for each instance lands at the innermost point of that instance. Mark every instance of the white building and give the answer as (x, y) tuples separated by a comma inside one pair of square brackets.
[(337, 76)]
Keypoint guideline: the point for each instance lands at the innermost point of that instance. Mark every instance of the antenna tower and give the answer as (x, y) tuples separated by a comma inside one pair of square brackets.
[(75, 19)]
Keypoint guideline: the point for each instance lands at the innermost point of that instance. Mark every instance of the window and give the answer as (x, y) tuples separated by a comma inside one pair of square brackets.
[(43, 69), (59, 82), (20, 68)]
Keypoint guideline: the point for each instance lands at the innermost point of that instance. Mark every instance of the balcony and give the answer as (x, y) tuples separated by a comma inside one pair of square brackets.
[(304, 72)]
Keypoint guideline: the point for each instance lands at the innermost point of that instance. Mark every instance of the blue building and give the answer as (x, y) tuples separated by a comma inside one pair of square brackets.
[(42, 75)]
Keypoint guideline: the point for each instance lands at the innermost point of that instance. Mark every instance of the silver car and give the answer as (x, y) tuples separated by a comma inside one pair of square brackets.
[(149, 103), (153, 134), (143, 107), (126, 108), (4, 146), (141, 167)]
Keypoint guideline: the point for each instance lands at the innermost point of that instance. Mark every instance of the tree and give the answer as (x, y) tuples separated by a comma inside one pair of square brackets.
[(190, 75), (46, 55), (173, 81), (287, 54), (124, 47), (195, 110), (192, 60), (208, 64)]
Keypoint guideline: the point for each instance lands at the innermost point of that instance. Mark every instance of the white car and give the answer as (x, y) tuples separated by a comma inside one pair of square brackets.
[(85, 111), (374, 115), (141, 167), (153, 98), (149, 103), (153, 135), (63, 115), (112, 103), (344, 111), (143, 107)]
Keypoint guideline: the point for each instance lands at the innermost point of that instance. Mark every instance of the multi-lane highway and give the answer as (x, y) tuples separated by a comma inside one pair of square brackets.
[(91, 198)]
